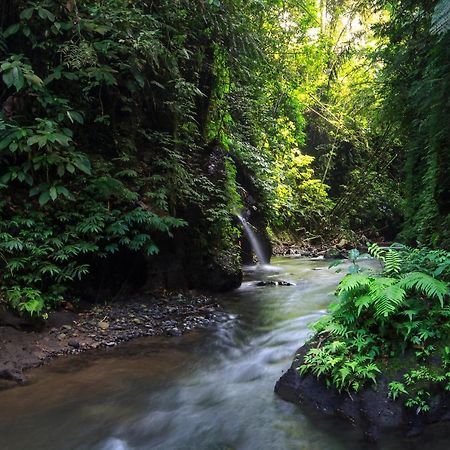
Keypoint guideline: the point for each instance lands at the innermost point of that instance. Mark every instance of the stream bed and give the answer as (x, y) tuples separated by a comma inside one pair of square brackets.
[(208, 390)]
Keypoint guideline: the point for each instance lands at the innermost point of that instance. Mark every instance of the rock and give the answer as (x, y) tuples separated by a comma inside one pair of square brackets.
[(62, 336), (174, 332), (11, 374), (274, 283), (285, 283), (66, 327), (333, 253), (343, 243), (103, 325), (370, 409), (73, 343)]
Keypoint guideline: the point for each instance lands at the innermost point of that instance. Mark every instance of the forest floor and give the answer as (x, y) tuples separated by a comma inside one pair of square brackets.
[(71, 332)]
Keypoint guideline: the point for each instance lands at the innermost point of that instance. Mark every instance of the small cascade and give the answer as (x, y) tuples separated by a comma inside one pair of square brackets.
[(256, 246)]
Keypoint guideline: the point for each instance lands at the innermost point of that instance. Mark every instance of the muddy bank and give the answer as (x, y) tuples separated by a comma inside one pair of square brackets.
[(68, 332)]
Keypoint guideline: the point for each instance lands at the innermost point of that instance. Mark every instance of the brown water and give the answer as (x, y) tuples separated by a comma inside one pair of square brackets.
[(207, 390)]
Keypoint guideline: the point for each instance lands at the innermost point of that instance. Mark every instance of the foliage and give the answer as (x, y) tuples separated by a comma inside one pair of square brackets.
[(379, 318), (115, 116), (122, 122), (415, 83)]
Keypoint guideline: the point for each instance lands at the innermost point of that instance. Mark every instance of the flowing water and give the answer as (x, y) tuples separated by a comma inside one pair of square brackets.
[(256, 246), (209, 390)]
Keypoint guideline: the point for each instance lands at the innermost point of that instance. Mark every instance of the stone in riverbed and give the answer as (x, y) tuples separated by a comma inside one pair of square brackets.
[(73, 343), (103, 325), (274, 283), (174, 332)]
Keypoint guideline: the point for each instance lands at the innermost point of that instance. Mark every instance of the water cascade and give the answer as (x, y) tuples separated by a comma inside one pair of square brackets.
[(256, 246)]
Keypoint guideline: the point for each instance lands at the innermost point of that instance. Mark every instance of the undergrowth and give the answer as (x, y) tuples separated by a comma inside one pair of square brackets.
[(398, 313)]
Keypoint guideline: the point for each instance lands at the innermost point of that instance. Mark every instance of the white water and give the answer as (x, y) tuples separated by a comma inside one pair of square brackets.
[(256, 246)]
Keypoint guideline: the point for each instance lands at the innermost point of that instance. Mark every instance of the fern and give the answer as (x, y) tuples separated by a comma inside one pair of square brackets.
[(376, 251), (425, 284), (353, 283), (387, 297), (392, 262)]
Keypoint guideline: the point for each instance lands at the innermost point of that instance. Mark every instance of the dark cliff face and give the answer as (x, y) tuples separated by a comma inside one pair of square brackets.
[(179, 265), (370, 410)]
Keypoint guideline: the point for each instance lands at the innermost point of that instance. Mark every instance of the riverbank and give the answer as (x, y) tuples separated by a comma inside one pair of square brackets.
[(68, 332)]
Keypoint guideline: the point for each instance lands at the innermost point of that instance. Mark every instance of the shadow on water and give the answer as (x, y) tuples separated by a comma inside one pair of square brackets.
[(206, 390)]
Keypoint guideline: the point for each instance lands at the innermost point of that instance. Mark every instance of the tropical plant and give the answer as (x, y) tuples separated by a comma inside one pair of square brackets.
[(381, 317)]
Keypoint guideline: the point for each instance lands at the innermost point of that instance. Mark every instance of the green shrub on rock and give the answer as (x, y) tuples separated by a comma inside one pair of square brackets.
[(382, 321)]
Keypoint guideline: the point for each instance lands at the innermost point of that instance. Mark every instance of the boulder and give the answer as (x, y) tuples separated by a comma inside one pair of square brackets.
[(370, 410)]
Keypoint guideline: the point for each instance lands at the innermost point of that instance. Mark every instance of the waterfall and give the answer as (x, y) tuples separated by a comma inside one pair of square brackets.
[(256, 246)]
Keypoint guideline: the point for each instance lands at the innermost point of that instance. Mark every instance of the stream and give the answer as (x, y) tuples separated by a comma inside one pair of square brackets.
[(210, 389)]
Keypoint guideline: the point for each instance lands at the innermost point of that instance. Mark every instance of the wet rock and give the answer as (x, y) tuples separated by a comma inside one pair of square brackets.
[(370, 409), (73, 343), (11, 374), (173, 332), (274, 283)]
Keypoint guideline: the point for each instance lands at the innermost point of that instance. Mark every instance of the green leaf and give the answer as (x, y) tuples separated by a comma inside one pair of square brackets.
[(17, 78), (63, 191), (83, 164), (26, 14), (13, 29), (53, 193), (46, 14), (75, 117), (44, 198)]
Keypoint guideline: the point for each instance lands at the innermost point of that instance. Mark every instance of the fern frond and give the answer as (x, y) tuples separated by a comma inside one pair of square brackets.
[(336, 329), (425, 284), (376, 251), (387, 296), (392, 262), (354, 282), (363, 302)]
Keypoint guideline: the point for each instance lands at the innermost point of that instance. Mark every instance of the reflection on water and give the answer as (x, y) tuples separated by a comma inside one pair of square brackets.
[(210, 390)]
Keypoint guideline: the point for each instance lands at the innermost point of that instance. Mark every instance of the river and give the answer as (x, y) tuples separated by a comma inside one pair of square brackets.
[(208, 390)]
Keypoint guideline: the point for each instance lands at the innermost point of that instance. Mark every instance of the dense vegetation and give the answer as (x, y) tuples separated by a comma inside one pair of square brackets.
[(127, 123), (390, 322)]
